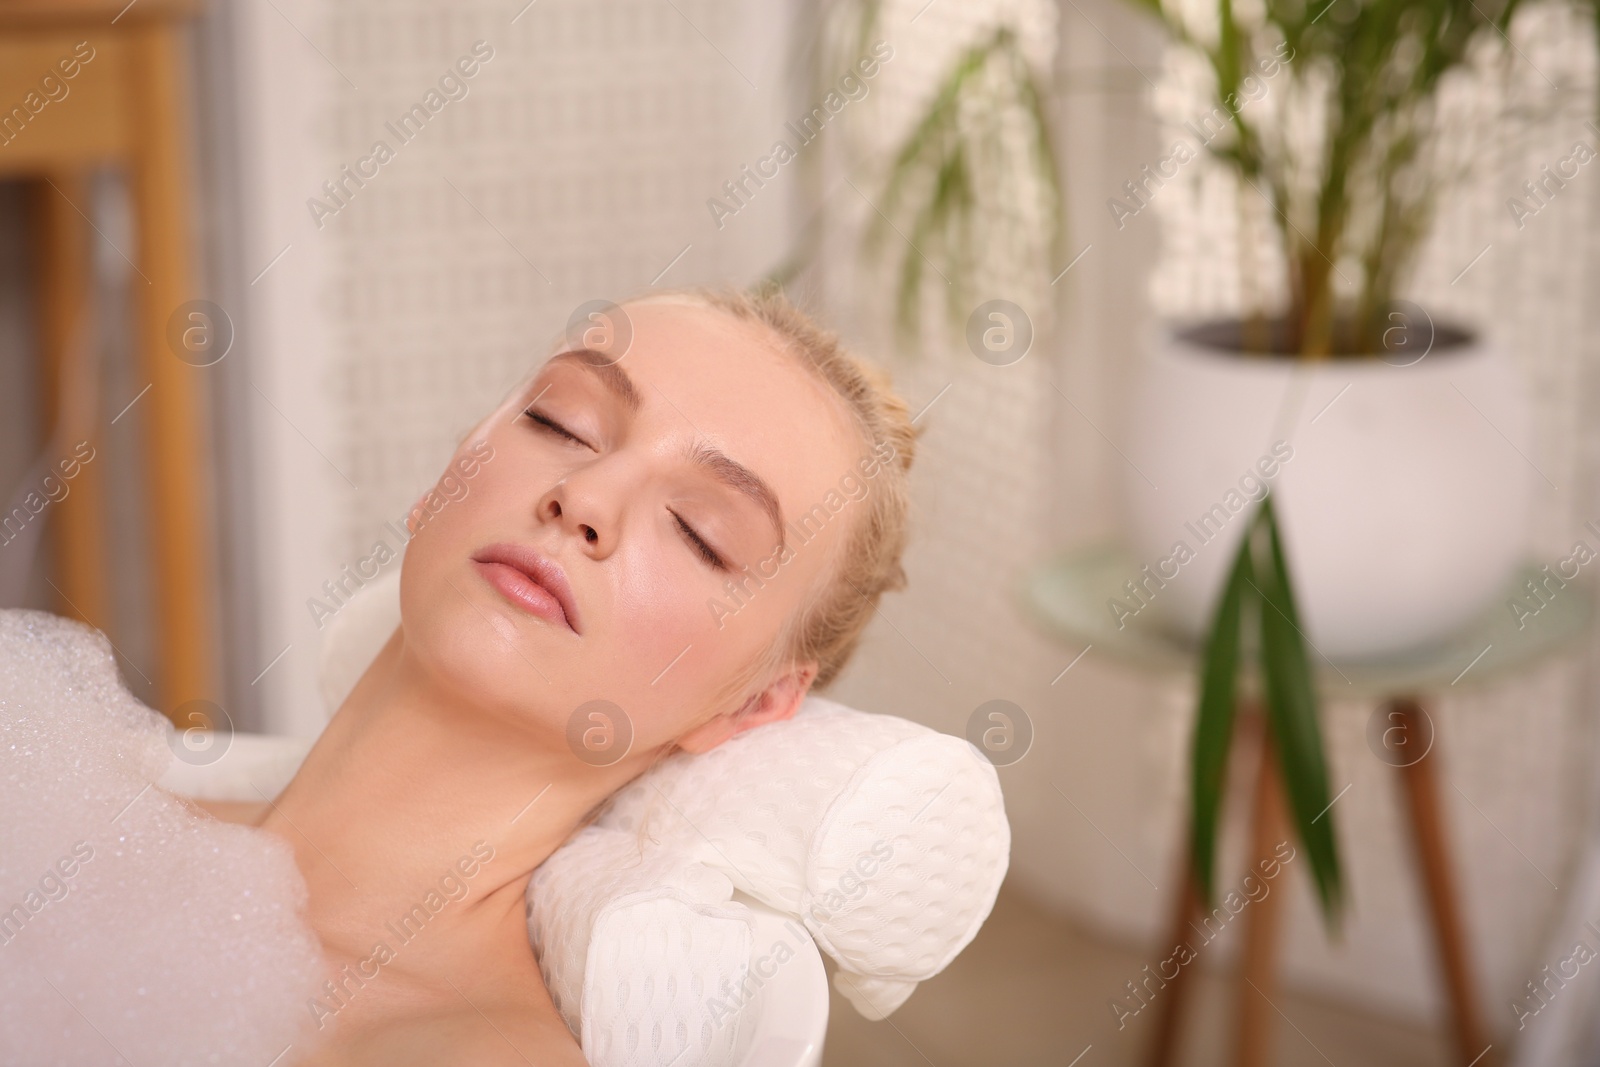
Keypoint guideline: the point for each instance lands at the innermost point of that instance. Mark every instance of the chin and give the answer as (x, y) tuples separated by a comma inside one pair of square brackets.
[(472, 650)]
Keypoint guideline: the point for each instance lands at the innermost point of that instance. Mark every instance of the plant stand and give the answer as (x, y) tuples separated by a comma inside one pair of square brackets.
[(1258, 966), (1069, 596)]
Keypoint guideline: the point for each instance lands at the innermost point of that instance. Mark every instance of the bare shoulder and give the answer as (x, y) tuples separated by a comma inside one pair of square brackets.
[(488, 1035), (512, 1040), (490, 1011)]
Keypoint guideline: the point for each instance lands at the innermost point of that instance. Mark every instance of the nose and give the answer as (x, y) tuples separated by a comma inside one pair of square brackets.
[(581, 504)]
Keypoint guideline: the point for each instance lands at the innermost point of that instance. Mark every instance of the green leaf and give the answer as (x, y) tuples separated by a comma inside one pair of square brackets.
[(1291, 702), (1213, 731), (937, 190)]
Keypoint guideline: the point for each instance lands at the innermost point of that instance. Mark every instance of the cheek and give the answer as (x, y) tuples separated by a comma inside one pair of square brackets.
[(440, 548), (661, 609), (665, 636)]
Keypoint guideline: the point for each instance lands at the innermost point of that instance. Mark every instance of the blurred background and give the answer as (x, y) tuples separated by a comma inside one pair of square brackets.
[(237, 342)]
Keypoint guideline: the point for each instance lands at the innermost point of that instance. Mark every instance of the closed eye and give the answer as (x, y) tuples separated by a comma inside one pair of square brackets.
[(705, 551), (696, 542), (552, 426)]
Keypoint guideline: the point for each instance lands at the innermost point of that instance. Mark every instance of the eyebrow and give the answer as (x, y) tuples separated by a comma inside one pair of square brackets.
[(742, 479), (729, 471), (613, 377)]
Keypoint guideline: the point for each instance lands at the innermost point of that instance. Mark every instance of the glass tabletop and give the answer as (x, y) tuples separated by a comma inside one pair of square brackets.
[(1068, 595)]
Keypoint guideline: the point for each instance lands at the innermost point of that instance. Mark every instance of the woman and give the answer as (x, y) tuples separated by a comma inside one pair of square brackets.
[(603, 552)]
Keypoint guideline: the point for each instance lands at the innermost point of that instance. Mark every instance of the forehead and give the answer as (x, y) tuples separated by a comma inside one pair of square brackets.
[(694, 347), (726, 382)]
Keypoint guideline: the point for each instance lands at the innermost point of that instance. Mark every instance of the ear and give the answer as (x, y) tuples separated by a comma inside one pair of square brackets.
[(780, 700)]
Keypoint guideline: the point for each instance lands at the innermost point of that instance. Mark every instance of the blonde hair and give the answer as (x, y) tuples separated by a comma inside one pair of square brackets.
[(829, 625)]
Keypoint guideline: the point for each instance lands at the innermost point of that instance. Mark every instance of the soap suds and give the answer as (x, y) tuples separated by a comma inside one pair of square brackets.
[(132, 930)]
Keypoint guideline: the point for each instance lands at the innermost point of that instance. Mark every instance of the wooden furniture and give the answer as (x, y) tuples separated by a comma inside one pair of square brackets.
[(1069, 597), (126, 107)]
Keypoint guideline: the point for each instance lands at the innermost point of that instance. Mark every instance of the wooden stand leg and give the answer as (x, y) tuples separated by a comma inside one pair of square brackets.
[(1169, 1017), (69, 388), (1261, 931), (1444, 908), (175, 414), (1258, 967)]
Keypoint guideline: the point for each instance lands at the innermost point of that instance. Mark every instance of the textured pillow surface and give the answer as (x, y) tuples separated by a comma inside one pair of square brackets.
[(885, 840)]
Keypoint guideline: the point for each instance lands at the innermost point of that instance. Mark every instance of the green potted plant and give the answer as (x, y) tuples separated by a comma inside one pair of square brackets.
[(969, 190), (1336, 472)]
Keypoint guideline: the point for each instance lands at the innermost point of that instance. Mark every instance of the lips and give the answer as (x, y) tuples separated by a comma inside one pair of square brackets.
[(530, 581)]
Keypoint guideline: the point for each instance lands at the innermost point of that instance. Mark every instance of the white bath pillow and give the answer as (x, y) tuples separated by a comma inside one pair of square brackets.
[(884, 840)]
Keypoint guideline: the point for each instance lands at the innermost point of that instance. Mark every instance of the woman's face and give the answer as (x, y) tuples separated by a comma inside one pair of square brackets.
[(648, 483)]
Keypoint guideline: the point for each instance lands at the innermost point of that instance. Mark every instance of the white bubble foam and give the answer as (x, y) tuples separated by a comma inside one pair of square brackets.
[(132, 930)]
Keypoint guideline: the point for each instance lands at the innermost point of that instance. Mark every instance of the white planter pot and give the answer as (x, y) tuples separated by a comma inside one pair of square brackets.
[(1402, 496)]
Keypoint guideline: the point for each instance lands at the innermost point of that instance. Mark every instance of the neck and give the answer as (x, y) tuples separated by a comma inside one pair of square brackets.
[(408, 798)]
